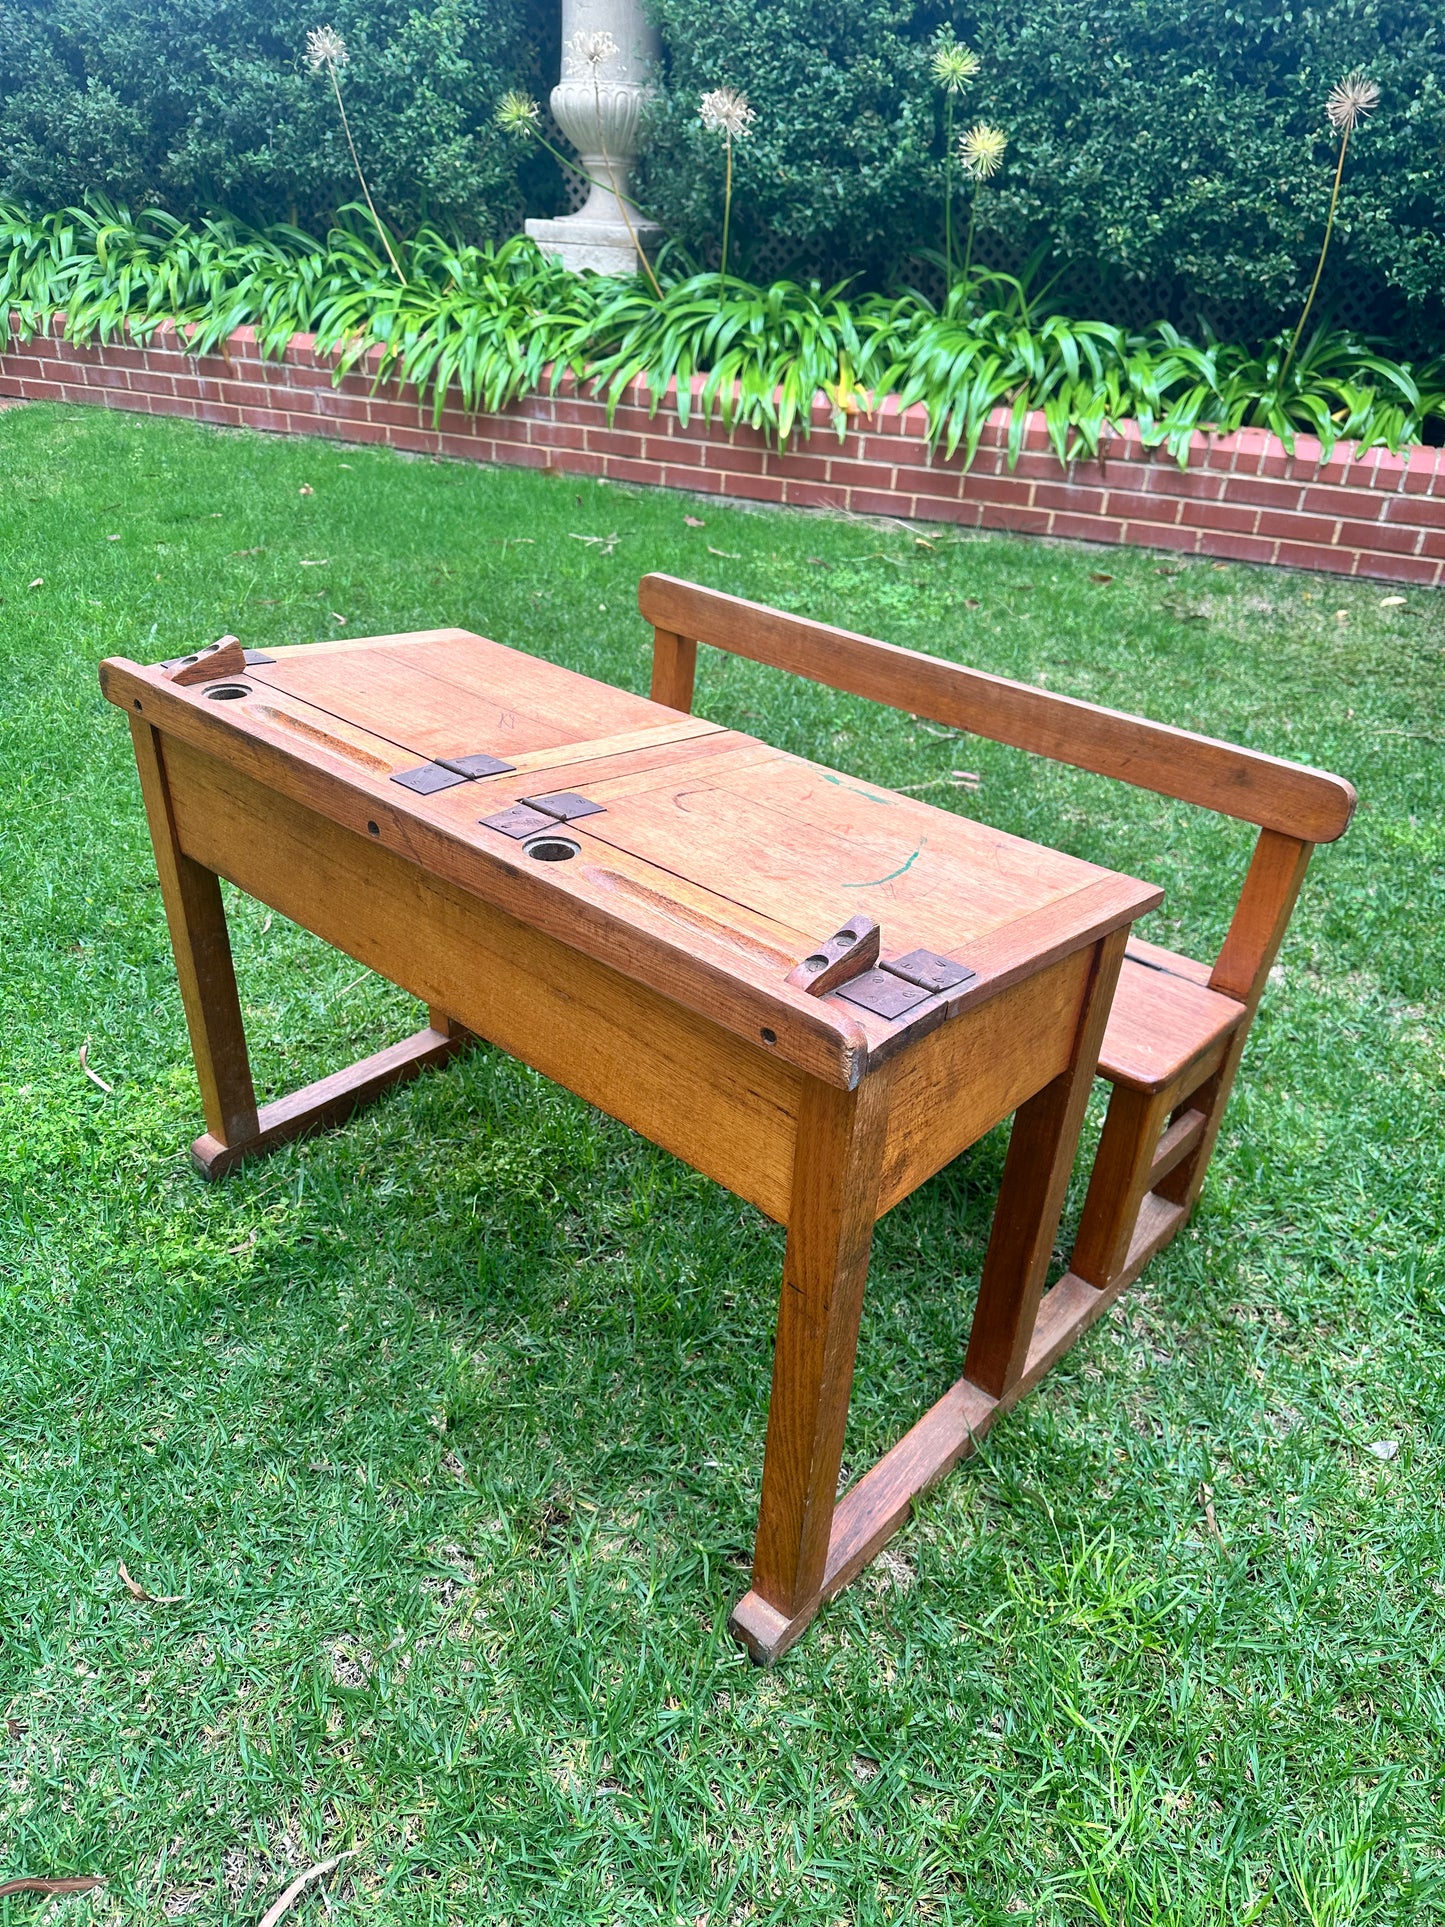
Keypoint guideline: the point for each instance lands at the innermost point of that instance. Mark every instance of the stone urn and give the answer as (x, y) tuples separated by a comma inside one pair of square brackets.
[(598, 105)]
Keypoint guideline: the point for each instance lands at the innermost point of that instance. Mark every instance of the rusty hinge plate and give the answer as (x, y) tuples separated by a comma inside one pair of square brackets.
[(565, 806), (474, 766), (519, 821), (428, 779), (901, 984), (883, 993), (930, 971)]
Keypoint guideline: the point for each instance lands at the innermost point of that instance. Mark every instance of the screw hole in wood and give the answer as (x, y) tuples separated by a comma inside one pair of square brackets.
[(768, 1036), (373, 829)]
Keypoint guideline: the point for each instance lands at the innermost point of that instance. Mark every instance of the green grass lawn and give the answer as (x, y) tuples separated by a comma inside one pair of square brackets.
[(446, 1429)]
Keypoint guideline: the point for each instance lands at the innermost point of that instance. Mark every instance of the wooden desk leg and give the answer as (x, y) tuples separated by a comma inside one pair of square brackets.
[(836, 1169), (235, 1127), (202, 946), (1040, 1157)]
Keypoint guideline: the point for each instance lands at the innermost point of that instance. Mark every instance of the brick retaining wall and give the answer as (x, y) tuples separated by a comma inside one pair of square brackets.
[(1243, 496)]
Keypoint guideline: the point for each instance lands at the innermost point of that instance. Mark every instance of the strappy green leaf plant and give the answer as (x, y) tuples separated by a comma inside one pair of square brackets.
[(492, 324)]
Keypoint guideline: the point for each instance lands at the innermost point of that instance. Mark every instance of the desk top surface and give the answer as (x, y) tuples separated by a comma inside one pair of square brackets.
[(681, 837)]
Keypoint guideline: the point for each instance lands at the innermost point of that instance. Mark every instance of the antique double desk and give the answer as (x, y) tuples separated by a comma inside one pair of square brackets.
[(814, 990)]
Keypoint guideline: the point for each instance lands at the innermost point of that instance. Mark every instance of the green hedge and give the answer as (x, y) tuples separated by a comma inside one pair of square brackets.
[(196, 109), (1167, 157)]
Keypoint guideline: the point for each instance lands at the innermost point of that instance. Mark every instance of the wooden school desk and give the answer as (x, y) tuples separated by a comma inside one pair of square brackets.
[(813, 990)]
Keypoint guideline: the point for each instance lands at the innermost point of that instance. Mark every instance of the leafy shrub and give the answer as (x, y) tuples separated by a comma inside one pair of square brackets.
[(1165, 158), (500, 322), (197, 109), (1168, 158)]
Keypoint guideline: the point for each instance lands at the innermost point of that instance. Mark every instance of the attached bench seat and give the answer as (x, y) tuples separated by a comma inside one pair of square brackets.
[(1165, 1020)]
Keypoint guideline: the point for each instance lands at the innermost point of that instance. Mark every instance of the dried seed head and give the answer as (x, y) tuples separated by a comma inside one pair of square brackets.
[(325, 48), (981, 150), (725, 111), (591, 50), (954, 66), (518, 113), (1350, 101)]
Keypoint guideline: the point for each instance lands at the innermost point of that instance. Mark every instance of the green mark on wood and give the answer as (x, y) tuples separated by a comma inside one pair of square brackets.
[(891, 874), (887, 801)]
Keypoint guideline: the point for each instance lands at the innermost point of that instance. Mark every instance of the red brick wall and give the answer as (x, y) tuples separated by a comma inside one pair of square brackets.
[(1242, 497)]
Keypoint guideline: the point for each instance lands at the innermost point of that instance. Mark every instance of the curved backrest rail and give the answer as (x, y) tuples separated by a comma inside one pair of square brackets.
[(1277, 795)]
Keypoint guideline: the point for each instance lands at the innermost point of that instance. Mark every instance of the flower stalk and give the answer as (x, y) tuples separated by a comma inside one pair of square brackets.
[(725, 111), (954, 67), (1351, 101), (325, 49), (981, 151), (519, 115)]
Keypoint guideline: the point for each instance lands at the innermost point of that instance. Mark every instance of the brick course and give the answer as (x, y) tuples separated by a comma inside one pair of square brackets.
[(1243, 497)]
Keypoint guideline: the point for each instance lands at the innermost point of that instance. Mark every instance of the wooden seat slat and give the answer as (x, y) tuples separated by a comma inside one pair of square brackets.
[(1159, 1025)]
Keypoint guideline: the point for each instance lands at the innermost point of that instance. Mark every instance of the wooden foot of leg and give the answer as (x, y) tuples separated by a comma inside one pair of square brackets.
[(330, 1100), (830, 1231), (879, 1504)]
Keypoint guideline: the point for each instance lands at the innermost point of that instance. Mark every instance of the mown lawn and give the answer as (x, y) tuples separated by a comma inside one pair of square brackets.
[(446, 1429)]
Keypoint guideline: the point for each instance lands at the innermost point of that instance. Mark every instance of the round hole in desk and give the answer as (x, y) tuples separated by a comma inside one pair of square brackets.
[(552, 849), (228, 692)]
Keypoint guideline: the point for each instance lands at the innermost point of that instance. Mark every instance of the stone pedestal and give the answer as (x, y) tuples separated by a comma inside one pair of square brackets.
[(602, 116)]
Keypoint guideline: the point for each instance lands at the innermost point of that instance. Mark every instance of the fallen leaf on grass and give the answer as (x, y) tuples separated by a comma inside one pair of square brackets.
[(1098, 575), (17, 1729), (316, 562), (726, 555), (972, 602), (1206, 1499), (337, 618), (149, 1598), (306, 489), (38, 583), (293, 1893), (1342, 615), (1386, 1449), (694, 522), (607, 543), (94, 1076), (1392, 602), (80, 1885), (958, 779)]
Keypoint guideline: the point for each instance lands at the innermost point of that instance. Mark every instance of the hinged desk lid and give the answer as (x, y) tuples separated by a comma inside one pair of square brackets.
[(445, 694)]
